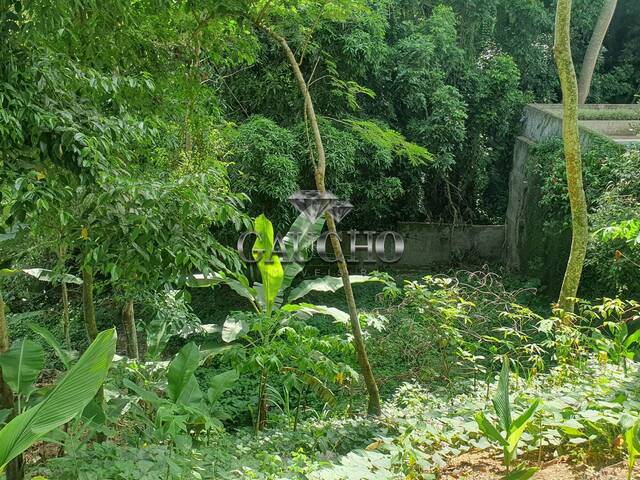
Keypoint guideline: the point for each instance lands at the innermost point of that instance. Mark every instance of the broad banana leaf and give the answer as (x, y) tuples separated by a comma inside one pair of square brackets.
[(233, 328), (308, 309), (326, 284), (41, 274), (220, 384), (302, 234), (68, 399), (181, 369), (269, 264), (21, 366)]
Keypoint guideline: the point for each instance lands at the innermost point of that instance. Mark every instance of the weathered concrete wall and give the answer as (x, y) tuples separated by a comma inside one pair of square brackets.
[(526, 248), (518, 189), (425, 245), (442, 244)]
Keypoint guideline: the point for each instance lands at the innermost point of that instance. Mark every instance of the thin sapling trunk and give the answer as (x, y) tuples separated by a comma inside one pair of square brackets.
[(319, 174)]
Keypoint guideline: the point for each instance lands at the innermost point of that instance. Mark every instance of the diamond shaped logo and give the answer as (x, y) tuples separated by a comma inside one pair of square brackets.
[(340, 209), (312, 202)]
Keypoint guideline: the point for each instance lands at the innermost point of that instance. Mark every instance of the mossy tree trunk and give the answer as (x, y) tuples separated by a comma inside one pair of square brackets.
[(88, 307), (15, 469), (62, 252), (573, 158), (89, 313), (319, 174), (593, 50)]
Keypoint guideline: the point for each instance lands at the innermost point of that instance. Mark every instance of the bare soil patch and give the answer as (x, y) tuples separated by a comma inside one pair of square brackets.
[(487, 465)]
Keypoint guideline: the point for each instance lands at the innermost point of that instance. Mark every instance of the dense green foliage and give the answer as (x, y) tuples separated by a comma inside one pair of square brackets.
[(612, 189), (137, 139)]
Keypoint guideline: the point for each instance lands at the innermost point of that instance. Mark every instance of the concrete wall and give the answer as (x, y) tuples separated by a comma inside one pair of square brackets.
[(425, 245), (443, 244), (526, 249)]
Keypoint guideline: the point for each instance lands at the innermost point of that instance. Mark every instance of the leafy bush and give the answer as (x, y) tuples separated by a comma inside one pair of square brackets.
[(611, 188), (266, 166), (445, 328)]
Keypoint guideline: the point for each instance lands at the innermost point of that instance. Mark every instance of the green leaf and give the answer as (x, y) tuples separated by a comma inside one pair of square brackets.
[(316, 385), (633, 338), (489, 430), (65, 356), (302, 234), (326, 284), (4, 414), (191, 393), (521, 473), (233, 328), (501, 399), (21, 366), (48, 275), (519, 425), (308, 310), (220, 384), (69, 398), (269, 264), (181, 369), (144, 394)]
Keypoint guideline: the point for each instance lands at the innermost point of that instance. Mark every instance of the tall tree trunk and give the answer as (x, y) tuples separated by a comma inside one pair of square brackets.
[(88, 307), (65, 315), (572, 153), (129, 322), (89, 312), (320, 167), (15, 469), (593, 50), (62, 253)]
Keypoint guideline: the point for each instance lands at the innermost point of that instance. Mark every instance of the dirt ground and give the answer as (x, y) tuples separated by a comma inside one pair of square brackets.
[(487, 465)]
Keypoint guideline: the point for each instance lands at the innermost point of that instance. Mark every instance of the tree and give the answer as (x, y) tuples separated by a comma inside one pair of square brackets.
[(319, 163), (593, 50), (573, 156)]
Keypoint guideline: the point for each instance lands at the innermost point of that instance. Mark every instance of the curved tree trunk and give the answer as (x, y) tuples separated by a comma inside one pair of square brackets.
[(320, 167), (129, 322), (572, 153), (593, 50), (15, 469)]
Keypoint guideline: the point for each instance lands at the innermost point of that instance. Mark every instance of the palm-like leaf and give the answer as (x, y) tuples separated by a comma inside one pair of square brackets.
[(518, 426), (69, 398), (501, 399)]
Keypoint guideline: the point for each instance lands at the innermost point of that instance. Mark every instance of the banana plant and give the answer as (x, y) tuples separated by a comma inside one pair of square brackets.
[(274, 294), (183, 406), (21, 367), (275, 303), (67, 400), (507, 432), (632, 441)]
